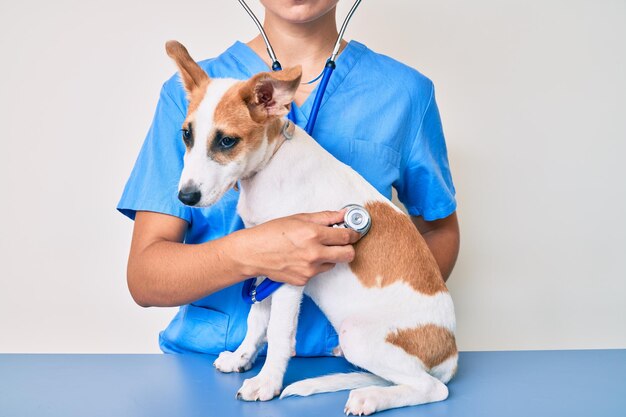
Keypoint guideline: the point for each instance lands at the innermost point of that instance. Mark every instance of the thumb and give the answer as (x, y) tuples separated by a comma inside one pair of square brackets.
[(325, 218)]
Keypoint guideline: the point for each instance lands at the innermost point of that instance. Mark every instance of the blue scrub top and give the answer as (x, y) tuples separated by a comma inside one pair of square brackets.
[(378, 116)]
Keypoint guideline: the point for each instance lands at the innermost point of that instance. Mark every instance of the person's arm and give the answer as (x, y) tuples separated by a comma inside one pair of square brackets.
[(443, 238), (162, 271)]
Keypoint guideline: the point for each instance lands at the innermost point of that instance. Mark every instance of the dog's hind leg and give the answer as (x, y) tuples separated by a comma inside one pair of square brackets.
[(243, 358), (280, 343), (364, 345), (423, 389)]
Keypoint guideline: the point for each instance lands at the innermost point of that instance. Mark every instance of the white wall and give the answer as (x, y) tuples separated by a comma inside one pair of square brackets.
[(532, 95)]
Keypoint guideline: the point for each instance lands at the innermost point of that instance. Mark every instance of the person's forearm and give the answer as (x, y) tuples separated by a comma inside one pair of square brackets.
[(170, 274), (163, 272), (444, 245), (442, 237)]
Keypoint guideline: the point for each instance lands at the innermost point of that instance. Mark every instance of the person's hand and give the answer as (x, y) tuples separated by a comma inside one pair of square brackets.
[(293, 249)]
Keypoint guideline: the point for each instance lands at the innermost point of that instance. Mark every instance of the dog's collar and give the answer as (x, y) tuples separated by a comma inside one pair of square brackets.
[(288, 130)]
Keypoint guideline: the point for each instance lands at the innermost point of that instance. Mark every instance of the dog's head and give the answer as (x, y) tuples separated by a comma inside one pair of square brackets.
[(232, 127)]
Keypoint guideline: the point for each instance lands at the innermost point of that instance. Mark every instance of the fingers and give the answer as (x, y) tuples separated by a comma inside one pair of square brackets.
[(336, 254), (328, 235), (335, 236), (324, 218)]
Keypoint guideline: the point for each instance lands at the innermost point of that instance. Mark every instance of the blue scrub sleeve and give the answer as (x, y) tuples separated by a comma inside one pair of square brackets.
[(425, 184), (153, 183)]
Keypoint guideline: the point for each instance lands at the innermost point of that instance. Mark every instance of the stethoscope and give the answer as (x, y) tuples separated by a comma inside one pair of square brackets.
[(356, 217)]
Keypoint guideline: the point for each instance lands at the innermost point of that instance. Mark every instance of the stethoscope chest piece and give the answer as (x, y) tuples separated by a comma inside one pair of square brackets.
[(356, 218)]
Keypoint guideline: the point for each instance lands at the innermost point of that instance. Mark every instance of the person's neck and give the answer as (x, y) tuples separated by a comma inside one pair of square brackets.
[(307, 44)]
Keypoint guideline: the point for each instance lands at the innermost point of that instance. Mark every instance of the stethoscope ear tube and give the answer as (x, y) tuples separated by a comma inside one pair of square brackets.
[(270, 51), (344, 26)]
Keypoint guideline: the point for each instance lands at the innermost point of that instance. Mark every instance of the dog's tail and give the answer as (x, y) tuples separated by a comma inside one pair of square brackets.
[(332, 383)]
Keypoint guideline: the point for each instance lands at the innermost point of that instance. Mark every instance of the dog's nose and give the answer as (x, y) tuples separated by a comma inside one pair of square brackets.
[(189, 196)]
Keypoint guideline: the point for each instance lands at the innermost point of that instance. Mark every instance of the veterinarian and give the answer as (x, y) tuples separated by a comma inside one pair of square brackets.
[(378, 115)]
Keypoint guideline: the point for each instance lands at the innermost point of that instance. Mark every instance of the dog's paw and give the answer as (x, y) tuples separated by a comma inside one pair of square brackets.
[(361, 402), (259, 388), (232, 362)]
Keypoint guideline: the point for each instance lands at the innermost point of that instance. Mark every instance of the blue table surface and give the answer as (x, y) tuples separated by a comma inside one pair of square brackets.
[(524, 383)]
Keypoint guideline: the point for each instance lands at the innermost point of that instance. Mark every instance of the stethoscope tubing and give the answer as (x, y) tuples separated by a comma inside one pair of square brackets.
[(317, 103), (270, 51)]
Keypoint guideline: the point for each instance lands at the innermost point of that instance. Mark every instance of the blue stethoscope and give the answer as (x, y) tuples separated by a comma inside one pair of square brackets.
[(356, 217)]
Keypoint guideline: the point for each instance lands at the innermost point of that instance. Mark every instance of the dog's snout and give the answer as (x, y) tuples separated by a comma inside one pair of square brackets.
[(189, 195)]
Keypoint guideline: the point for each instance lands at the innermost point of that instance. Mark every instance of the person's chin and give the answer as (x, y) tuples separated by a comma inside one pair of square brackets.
[(300, 13)]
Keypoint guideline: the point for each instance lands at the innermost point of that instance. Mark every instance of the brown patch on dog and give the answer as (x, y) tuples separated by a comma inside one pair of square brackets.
[(195, 79), (269, 94), (233, 119), (394, 250), (249, 109), (275, 129), (431, 344)]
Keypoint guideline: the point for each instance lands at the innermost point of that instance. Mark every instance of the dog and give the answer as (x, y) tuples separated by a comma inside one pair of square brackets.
[(398, 322)]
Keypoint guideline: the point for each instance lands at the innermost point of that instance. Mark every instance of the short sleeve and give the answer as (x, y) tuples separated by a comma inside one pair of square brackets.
[(153, 182), (425, 183)]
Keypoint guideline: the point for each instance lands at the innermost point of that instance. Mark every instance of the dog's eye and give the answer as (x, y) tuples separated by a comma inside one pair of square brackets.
[(227, 142), (187, 136)]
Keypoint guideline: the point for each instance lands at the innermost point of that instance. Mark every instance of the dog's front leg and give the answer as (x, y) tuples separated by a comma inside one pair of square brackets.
[(280, 344), (243, 358)]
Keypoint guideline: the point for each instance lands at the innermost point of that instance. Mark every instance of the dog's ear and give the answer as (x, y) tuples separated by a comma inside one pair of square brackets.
[(192, 75), (269, 94)]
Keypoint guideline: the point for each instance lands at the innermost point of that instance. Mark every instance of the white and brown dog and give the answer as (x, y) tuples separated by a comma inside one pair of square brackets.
[(398, 322)]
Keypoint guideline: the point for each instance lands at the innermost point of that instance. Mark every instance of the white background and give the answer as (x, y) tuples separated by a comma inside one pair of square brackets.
[(532, 96)]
